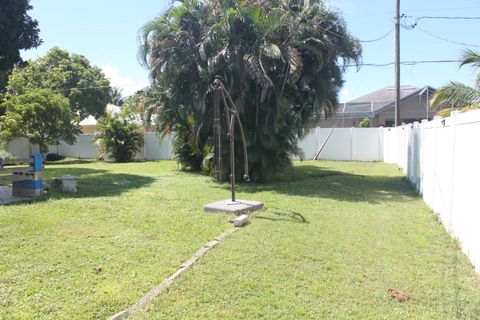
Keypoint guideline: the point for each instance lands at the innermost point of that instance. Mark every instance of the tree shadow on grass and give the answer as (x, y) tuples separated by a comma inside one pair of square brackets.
[(79, 172), (101, 183), (318, 182), (92, 183), (284, 215), (67, 161)]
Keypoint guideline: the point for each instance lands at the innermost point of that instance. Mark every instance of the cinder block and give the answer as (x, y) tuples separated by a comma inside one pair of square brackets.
[(28, 184), (27, 193), (241, 220)]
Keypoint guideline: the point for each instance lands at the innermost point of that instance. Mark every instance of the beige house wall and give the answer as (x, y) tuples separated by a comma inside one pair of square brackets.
[(414, 108), (88, 129)]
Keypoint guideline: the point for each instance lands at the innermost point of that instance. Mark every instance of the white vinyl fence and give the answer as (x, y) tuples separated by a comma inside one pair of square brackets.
[(442, 159), (344, 144), (155, 148)]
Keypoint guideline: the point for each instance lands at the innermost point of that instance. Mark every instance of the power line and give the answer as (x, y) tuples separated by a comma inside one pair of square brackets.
[(446, 18), (417, 19), (408, 26), (444, 9), (347, 36), (407, 63), (378, 39), (414, 10), (448, 40)]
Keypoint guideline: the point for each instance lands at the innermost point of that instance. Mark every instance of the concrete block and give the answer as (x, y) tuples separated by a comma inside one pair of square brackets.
[(27, 184), (237, 207), (27, 193), (240, 221)]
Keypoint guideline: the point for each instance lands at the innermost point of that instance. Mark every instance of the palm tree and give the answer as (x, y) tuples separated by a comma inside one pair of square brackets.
[(282, 62), (459, 95), (141, 107)]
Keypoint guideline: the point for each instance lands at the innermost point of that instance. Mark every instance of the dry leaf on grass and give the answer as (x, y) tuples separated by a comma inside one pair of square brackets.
[(400, 297)]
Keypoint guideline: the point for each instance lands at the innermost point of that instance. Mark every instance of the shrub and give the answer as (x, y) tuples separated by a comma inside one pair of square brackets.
[(118, 138), (54, 157), (365, 123)]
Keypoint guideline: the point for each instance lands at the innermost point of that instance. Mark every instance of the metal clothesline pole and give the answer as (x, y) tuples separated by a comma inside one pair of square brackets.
[(232, 155), (221, 95)]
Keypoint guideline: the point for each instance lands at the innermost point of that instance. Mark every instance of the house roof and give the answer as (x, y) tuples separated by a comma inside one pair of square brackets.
[(378, 101)]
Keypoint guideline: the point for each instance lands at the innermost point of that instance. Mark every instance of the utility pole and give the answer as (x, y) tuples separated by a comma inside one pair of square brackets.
[(397, 64)]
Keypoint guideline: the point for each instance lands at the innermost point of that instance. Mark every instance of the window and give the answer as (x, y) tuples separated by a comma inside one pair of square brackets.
[(389, 123)]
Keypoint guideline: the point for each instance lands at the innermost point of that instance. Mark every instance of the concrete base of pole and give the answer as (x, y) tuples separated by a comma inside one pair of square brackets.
[(237, 207), (7, 197)]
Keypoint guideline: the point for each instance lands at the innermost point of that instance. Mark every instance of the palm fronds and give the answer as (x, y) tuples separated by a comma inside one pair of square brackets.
[(456, 94), (278, 59)]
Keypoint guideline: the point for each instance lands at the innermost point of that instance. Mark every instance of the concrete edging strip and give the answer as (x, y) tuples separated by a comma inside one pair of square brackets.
[(156, 291)]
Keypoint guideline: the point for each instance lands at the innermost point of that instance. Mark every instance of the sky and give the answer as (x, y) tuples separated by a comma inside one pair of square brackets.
[(105, 31)]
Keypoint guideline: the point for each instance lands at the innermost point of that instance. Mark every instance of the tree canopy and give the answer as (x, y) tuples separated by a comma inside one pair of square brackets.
[(40, 115), (71, 75), (457, 94), (18, 31), (281, 61)]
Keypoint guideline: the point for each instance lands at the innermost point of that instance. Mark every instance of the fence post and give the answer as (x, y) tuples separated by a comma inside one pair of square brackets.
[(400, 138), (352, 143), (144, 146), (381, 139), (422, 156), (78, 146), (452, 177), (436, 122), (415, 154), (402, 147)]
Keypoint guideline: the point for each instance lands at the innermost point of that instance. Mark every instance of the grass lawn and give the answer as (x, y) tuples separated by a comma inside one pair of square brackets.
[(331, 243)]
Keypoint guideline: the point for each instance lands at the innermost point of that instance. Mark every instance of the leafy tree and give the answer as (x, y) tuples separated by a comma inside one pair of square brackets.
[(118, 137), (71, 75), (42, 116), (365, 123), (458, 94), (18, 31), (281, 61)]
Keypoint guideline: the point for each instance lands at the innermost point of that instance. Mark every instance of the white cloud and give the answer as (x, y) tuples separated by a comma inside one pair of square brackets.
[(127, 84), (345, 95)]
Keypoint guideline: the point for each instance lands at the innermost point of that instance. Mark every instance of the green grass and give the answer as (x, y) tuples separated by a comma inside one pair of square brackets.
[(137, 222), (330, 244), (329, 247)]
